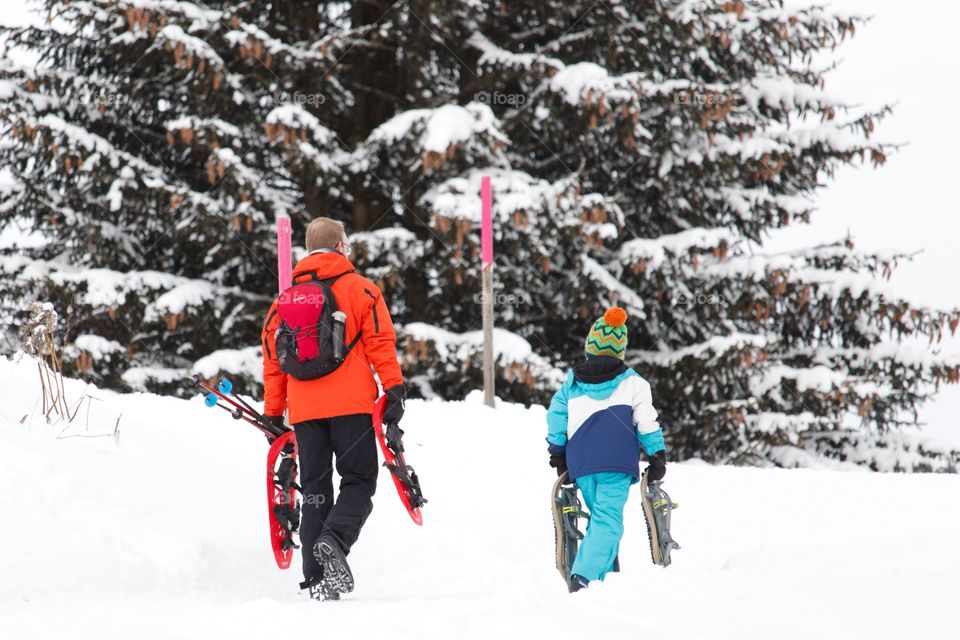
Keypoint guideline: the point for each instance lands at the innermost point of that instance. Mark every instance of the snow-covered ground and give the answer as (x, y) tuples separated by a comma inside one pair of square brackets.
[(162, 534)]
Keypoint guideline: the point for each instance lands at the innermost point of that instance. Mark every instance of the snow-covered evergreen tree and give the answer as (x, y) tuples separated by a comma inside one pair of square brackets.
[(639, 152)]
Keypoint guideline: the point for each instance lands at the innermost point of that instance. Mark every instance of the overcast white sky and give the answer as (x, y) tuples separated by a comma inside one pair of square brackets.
[(906, 55)]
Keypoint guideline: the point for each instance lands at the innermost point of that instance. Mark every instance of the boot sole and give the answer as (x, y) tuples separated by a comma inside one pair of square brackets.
[(336, 573), (321, 594)]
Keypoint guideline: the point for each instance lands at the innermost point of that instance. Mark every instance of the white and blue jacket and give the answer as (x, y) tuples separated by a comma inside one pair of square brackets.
[(598, 416)]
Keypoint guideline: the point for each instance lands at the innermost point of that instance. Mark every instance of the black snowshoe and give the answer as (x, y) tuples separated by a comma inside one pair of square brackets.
[(566, 514), (657, 507)]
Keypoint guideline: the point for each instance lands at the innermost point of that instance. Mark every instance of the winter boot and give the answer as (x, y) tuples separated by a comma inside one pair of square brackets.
[(577, 583), (322, 592), (336, 572), (319, 590)]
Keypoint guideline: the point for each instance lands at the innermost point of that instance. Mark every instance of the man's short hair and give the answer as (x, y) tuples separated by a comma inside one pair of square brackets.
[(324, 233)]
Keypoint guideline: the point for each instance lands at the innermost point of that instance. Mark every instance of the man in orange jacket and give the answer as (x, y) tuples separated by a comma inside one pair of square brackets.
[(332, 414)]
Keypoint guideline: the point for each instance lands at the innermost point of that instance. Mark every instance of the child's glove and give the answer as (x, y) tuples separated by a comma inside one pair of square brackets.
[(657, 467), (559, 462)]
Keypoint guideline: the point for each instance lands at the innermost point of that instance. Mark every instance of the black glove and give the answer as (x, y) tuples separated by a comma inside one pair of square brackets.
[(657, 467), (274, 421), (559, 462), (396, 399)]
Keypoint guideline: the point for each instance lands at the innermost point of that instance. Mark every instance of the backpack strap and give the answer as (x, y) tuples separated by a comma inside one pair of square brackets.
[(359, 335), (354, 341)]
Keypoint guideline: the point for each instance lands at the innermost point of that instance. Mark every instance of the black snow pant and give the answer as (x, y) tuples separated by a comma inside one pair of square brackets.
[(352, 441)]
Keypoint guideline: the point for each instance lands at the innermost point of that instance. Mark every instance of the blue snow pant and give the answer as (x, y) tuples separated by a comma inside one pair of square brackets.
[(605, 495)]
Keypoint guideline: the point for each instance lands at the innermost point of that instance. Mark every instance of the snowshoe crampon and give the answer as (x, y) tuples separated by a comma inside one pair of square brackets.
[(404, 477), (282, 503), (567, 512), (657, 507)]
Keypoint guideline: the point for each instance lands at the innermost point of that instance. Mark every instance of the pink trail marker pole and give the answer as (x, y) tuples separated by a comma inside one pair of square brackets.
[(486, 256), (284, 263), (486, 223)]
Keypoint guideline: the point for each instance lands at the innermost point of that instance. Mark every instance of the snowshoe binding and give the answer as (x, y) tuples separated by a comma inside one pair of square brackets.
[(337, 576), (657, 507), (566, 513)]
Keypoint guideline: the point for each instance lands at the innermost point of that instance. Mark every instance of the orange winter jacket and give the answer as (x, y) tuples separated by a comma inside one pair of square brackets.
[(351, 388)]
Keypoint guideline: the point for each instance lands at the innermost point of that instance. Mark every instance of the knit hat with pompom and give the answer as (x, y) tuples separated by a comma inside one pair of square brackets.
[(608, 336)]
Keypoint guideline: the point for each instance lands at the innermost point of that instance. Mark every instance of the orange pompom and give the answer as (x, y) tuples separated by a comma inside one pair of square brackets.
[(615, 317)]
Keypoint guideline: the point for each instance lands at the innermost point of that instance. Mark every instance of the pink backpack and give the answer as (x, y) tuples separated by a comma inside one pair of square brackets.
[(311, 336)]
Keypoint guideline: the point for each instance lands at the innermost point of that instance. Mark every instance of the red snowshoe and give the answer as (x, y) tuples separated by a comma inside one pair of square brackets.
[(404, 477), (282, 504)]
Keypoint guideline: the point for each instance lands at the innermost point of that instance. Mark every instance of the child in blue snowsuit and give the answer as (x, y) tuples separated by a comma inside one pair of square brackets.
[(596, 425)]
